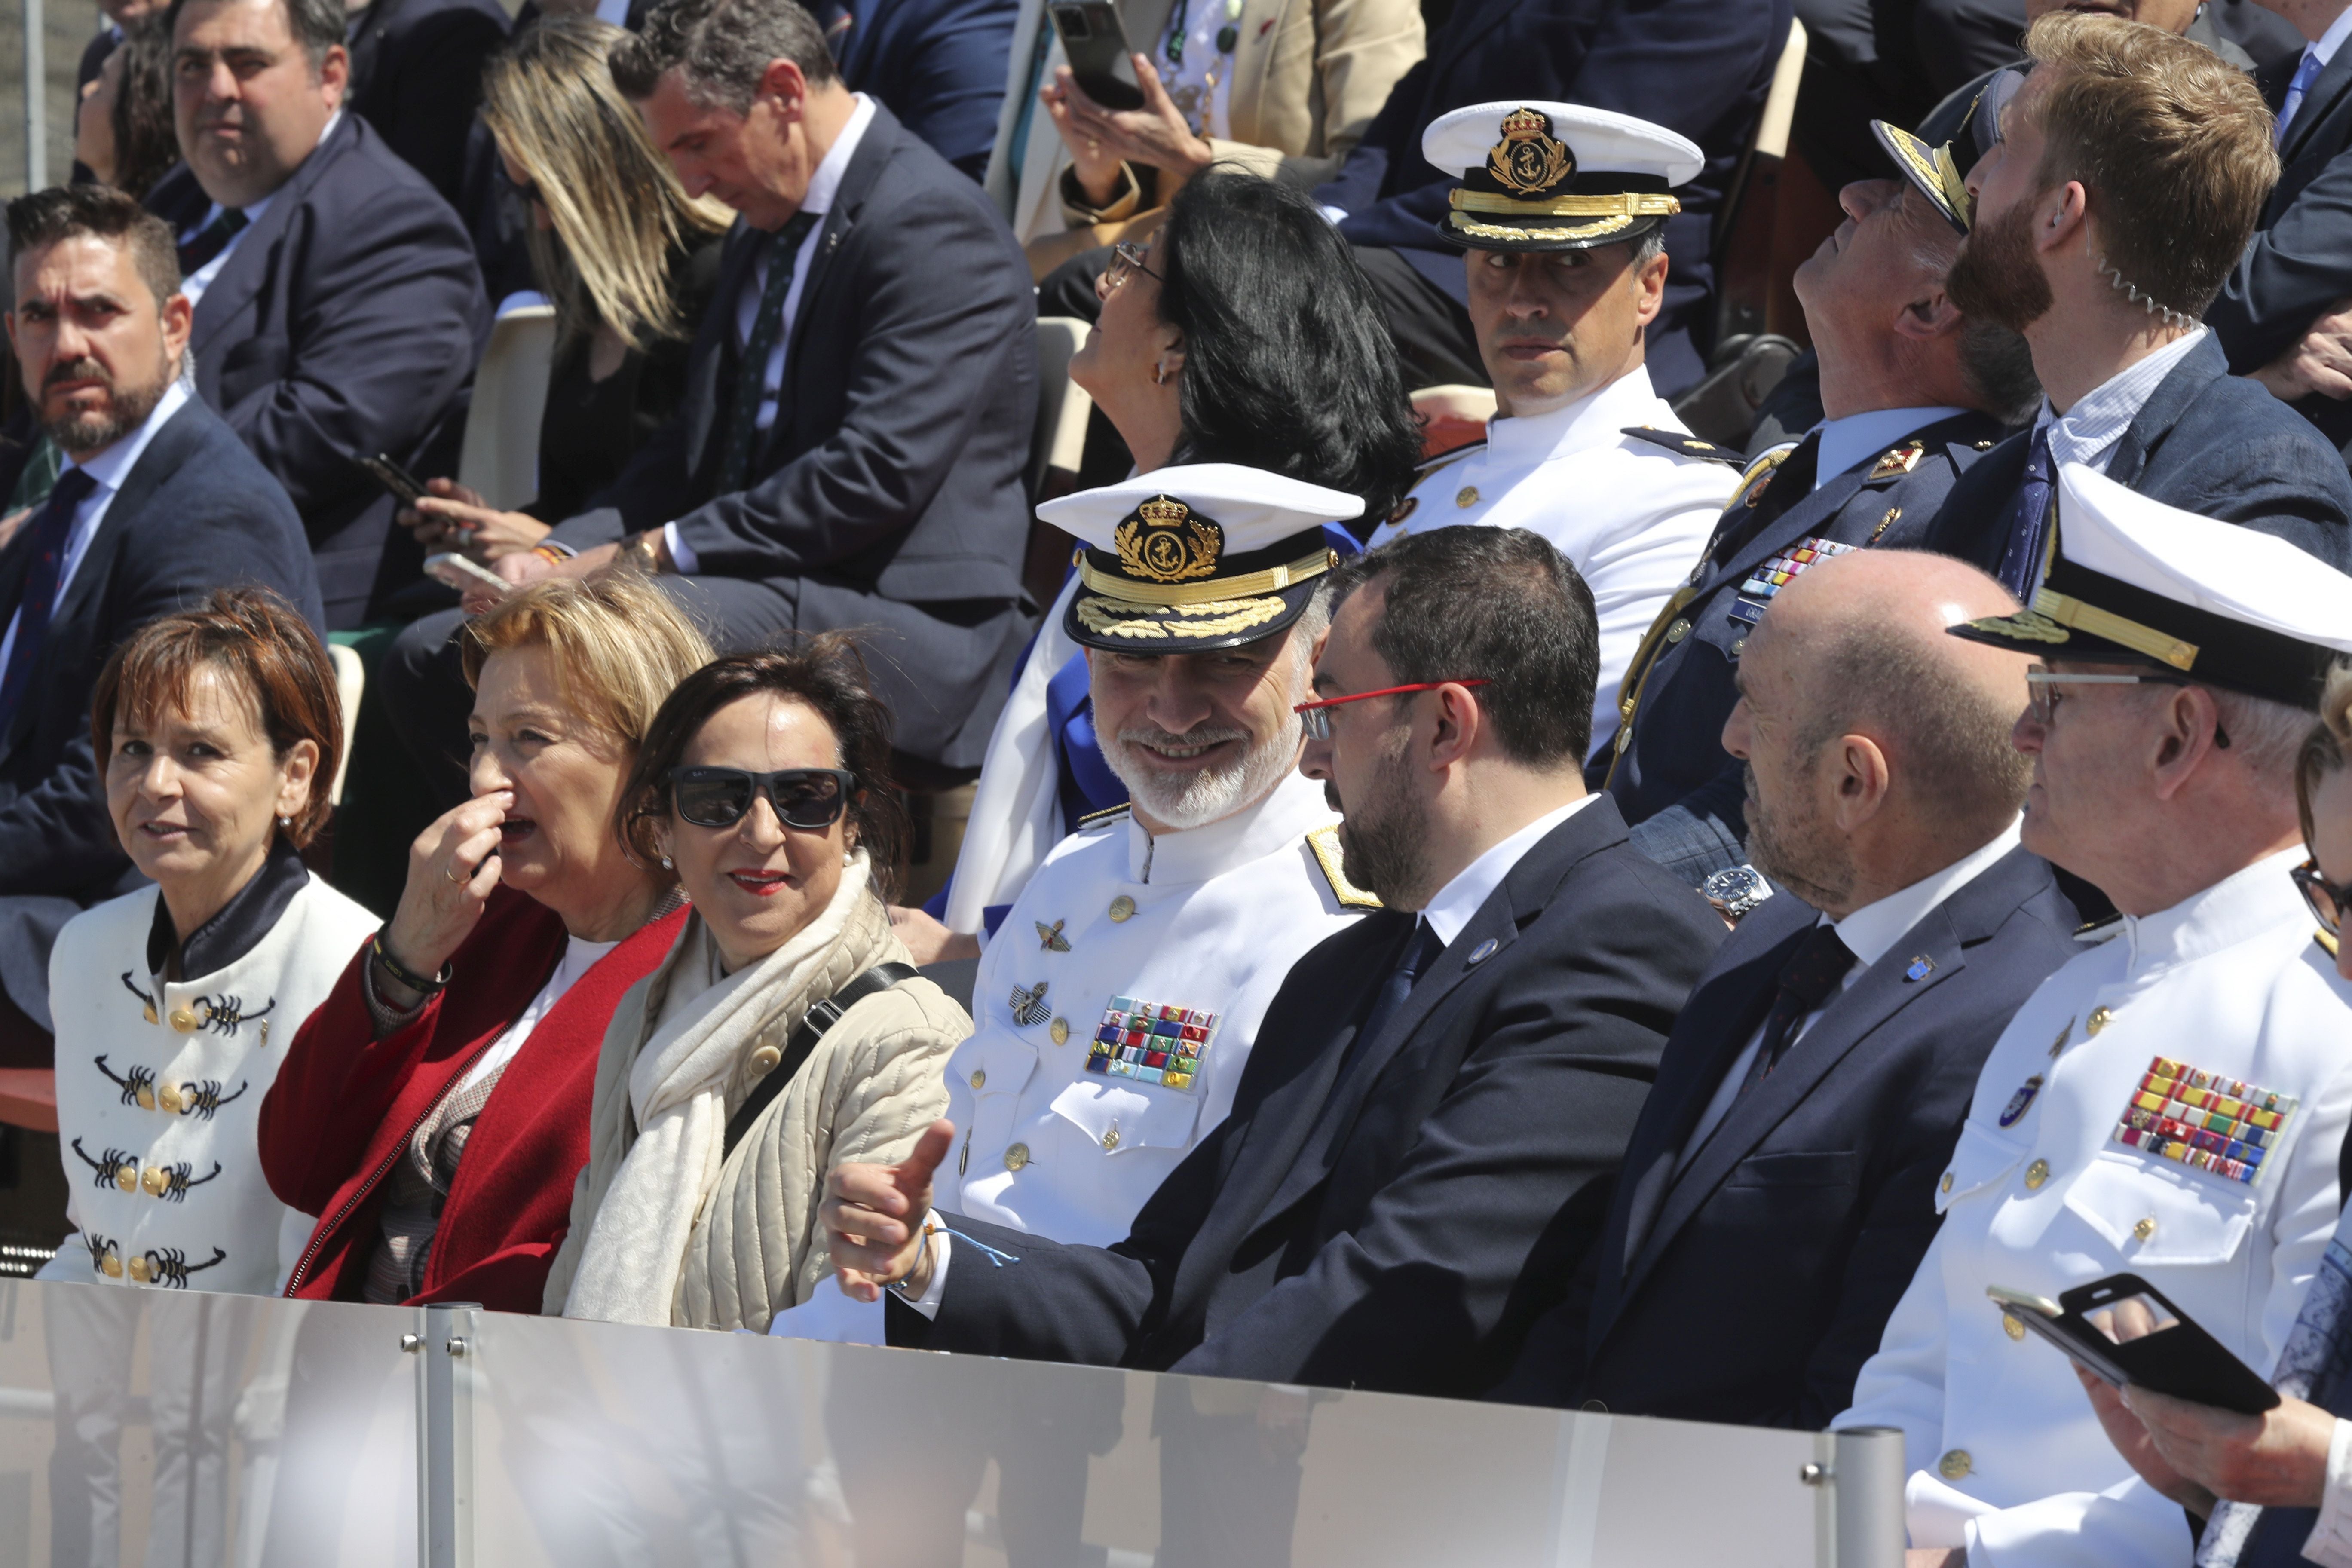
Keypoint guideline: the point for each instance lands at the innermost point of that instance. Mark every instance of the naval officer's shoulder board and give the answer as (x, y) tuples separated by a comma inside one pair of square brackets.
[(1324, 845), (1103, 818), (1428, 466), (1683, 444)]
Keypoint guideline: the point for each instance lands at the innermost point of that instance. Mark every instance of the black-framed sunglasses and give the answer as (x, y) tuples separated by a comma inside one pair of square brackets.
[(811, 799), (2327, 900)]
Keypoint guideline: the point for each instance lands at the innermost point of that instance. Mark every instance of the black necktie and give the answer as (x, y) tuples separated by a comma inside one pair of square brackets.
[(48, 543), (210, 240), (1807, 980), (2027, 525), (751, 378)]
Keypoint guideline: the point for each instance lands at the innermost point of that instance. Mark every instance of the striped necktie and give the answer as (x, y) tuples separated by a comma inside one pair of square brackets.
[(751, 377)]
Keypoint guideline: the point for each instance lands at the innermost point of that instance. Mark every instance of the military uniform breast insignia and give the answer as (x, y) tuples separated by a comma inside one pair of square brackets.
[(1050, 938), (1898, 460), (1029, 1005), (2222, 1125), (1329, 857), (1885, 523), (1756, 593), (2019, 1102), (1152, 1042)]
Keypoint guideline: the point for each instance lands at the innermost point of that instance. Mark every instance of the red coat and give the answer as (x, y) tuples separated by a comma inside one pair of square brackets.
[(346, 1104)]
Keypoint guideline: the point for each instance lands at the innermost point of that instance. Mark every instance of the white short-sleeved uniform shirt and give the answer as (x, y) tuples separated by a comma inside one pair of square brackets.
[(2170, 1104)]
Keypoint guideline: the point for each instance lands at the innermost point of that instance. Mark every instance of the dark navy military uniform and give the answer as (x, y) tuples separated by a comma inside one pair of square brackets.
[(1668, 770)]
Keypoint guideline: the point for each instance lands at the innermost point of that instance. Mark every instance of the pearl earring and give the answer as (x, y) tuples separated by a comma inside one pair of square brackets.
[(1159, 372), (285, 822), (666, 864)]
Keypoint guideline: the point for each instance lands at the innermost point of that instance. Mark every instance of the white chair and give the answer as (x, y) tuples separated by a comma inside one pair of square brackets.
[(500, 456), (1060, 441), (351, 681)]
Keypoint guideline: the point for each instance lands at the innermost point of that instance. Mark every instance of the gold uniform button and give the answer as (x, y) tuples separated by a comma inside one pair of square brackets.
[(1955, 1464), (2035, 1174), (1110, 1140), (138, 1269), (127, 1178), (2145, 1228), (764, 1060), (1060, 1031), (979, 1078), (2011, 1326), (1679, 630), (2098, 1019), (168, 1097), (113, 1266), (1945, 1184), (154, 1181), (1122, 909), (1739, 648), (148, 1012), (1466, 495), (1016, 1156), (184, 1020)]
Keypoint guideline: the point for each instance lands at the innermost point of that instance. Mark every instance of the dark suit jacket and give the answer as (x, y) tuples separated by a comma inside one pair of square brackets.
[(1389, 1226), (2206, 442), (1697, 67), (1676, 761), (416, 78), (2299, 262), (1771, 1264), (346, 324), (196, 512), (938, 65)]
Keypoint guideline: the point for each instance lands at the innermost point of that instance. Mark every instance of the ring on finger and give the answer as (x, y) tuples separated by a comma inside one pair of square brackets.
[(457, 877)]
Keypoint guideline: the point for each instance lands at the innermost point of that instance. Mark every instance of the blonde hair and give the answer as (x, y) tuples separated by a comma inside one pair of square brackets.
[(618, 209), (620, 646)]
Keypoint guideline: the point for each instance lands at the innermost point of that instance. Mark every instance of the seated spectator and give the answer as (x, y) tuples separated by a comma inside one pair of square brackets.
[(1582, 449), (1484, 1057), (1812, 1090), (785, 1032), (2265, 1485), (338, 310), (2163, 745), (1915, 393), (1697, 67), (853, 447), (1280, 91), (416, 79), (938, 65), (222, 730), (628, 259), (2282, 312), (116, 17), (1241, 332), (158, 504), (2130, 173), (122, 126), (463, 1039)]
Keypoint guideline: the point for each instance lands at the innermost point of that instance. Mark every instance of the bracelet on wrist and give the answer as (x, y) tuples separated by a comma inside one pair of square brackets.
[(553, 554), (424, 985), (898, 1287)]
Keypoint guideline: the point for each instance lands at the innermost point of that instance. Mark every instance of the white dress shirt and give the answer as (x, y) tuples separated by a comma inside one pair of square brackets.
[(194, 284), (2087, 433), (1457, 902), (1869, 933), (1857, 437), (107, 471)]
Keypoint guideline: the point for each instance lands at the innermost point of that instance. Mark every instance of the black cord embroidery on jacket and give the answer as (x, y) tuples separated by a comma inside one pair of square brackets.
[(138, 1088), (109, 1169)]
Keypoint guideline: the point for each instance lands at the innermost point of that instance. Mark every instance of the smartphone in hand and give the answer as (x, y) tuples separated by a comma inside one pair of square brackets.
[(465, 573), (406, 487), (1100, 60), (2122, 1330)]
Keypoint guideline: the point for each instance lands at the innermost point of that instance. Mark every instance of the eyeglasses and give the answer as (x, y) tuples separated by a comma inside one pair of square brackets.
[(1315, 718), (1125, 257), (2043, 701), (2327, 901), (807, 798)]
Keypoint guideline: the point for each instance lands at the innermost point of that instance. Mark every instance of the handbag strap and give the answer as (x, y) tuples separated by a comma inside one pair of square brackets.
[(821, 1018)]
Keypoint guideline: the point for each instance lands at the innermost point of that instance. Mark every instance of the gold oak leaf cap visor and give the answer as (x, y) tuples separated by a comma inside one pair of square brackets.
[(1195, 557), (1553, 176), (1933, 172), (2132, 581)]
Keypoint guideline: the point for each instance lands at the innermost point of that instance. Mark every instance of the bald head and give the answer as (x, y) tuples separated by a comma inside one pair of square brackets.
[(1878, 748)]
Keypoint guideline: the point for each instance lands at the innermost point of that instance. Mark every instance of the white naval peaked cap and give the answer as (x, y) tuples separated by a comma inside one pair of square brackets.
[(1537, 175), (1196, 556), (2131, 580)]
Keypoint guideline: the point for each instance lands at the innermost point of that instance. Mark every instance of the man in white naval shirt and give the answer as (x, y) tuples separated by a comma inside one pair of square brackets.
[(2171, 1103), (1562, 210), (1116, 1004)]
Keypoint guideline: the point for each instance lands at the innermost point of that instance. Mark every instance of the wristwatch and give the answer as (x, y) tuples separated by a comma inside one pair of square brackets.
[(1735, 891), (644, 550)]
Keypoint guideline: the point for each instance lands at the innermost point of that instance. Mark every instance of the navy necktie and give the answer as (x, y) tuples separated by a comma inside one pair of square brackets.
[(751, 378), (1419, 949), (2027, 525), (48, 533), (210, 240)]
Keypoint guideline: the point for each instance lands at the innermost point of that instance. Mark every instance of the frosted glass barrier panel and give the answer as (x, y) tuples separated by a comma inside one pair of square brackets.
[(142, 1428)]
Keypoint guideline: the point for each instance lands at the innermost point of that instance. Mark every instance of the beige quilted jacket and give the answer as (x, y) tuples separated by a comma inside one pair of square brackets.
[(865, 1094)]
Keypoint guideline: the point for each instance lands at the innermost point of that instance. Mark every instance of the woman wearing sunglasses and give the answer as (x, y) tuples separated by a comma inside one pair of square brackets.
[(785, 1032), (433, 1111)]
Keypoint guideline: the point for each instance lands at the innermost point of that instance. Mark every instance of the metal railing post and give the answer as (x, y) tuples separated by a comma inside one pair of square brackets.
[(1866, 1482), (445, 1435), (37, 117)]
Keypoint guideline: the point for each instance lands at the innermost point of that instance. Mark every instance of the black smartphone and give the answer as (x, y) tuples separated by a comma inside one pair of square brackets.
[(406, 487), (1099, 54), (2123, 1330)]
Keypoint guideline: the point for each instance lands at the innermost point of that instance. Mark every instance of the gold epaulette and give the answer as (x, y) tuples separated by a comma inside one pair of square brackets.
[(1684, 443), (1324, 842)]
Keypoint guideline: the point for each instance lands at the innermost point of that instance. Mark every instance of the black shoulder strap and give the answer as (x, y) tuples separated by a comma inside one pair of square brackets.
[(821, 1018)]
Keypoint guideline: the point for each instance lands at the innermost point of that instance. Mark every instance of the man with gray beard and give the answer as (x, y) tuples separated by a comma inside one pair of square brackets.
[(158, 504)]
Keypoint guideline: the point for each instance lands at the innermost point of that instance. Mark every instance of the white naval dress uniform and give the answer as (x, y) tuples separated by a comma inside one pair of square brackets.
[(2079, 1160), (159, 1098), (1631, 516)]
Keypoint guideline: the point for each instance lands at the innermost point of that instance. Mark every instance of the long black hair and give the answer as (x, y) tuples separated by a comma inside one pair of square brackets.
[(1288, 364)]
